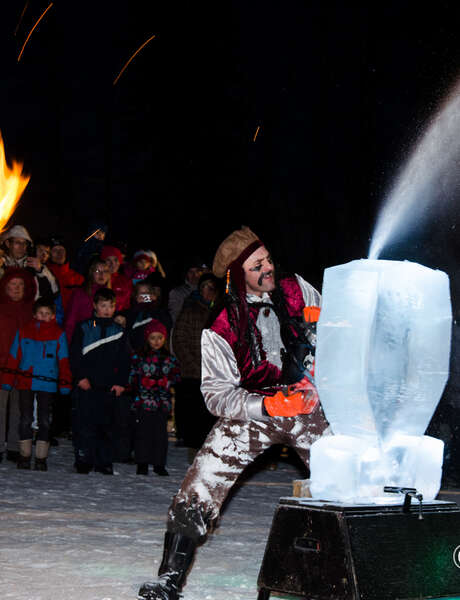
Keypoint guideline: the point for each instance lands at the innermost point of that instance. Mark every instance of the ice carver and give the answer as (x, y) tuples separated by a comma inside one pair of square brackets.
[(256, 346)]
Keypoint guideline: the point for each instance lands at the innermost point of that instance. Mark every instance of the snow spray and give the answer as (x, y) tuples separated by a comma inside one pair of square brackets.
[(430, 177)]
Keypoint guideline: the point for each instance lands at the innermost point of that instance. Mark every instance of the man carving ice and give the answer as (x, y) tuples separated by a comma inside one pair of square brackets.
[(256, 346)]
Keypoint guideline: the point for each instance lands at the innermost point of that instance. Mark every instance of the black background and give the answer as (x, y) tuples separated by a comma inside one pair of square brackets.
[(340, 91)]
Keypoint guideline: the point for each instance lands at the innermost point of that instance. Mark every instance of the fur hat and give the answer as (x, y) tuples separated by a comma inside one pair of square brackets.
[(153, 327), (239, 245)]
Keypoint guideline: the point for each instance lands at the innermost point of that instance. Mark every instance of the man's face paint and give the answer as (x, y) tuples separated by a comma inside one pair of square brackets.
[(259, 272)]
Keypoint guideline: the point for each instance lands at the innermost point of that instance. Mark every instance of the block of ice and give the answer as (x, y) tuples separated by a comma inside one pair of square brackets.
[(335, 466), (383, 347), (349, 469), (382, 360)]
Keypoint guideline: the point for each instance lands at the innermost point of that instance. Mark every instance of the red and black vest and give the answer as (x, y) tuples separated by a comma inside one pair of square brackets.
[(257, 378)]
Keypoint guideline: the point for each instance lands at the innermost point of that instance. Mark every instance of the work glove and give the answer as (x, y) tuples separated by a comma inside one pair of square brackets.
[(301, 402)]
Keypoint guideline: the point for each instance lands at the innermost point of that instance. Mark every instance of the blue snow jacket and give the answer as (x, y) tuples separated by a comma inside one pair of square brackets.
[(99, 352), (39, 348)]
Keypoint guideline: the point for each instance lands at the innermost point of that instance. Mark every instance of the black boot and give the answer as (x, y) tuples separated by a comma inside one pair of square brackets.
[(142, 469), (40, 464), (23, 462), (160, 471), (105, 470), (25, 452), (178, 554)]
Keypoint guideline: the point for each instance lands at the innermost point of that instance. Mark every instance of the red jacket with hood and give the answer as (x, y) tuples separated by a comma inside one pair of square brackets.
[(14, 314), (68, 279)]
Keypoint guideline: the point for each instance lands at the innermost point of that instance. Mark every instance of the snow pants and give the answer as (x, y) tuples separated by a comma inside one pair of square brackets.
[(26, 408), (151, 437), (229, 448), (92, 427)]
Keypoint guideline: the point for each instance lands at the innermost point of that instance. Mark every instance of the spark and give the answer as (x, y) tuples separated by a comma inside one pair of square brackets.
[(90, 236), (32, 30), (256, 133), (21, 17), (127, 62)]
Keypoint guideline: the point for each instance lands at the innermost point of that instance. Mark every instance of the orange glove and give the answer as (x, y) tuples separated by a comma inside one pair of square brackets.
[(304, 385), (299, 403)]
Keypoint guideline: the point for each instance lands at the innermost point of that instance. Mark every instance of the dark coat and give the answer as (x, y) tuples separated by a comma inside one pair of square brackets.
[(186, 338), (99, 352), (138, 317)]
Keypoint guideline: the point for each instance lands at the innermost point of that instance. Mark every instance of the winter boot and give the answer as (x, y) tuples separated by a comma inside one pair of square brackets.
[(159, 470), (25, 452), (105, 470), (41, 454), (178, 554), (142, 469)]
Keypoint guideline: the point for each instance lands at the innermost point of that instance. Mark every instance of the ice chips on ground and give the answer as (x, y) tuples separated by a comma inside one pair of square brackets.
[(349, 469)]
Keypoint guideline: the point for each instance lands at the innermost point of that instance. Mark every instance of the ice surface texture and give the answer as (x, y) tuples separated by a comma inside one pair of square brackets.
[(382, 362)]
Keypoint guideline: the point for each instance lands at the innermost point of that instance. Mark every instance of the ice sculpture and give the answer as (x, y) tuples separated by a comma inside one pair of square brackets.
[(382, 362)]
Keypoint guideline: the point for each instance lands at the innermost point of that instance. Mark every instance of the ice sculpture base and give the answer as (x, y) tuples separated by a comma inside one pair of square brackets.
[(322, 550), (355, 470)]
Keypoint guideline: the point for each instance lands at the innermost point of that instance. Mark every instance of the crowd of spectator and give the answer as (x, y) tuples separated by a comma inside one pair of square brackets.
[(97, 347)]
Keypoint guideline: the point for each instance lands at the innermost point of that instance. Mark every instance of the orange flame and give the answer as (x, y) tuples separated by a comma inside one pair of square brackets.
[(12, 184)]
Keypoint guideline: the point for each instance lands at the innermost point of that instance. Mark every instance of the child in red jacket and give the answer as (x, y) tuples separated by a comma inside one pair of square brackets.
[(40, 350)]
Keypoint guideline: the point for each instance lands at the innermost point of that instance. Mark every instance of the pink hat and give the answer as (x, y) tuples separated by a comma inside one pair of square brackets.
[(148, 254), (111, 251), (153, 327)]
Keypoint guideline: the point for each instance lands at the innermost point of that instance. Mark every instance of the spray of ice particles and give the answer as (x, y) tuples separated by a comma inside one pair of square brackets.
[(429, 179)]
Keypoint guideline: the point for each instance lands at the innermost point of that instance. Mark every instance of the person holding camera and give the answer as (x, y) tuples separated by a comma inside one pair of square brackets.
[(146, 305)]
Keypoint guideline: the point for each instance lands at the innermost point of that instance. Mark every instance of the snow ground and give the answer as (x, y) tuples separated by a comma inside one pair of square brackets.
[(66, 536), (74, 537)]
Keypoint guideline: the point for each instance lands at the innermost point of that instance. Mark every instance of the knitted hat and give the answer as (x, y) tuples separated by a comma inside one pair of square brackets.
[(57, 240), (111, 251), (238, 246), (153, 327)]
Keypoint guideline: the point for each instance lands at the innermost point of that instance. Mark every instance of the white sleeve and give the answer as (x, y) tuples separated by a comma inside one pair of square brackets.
[(311, 296), (220, 382)]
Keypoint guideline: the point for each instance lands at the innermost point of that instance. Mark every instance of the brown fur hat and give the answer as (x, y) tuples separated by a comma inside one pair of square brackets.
[(232, 248)]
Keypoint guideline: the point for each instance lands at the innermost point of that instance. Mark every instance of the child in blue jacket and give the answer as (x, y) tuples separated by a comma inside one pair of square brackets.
[(100, 360), (40, 351)]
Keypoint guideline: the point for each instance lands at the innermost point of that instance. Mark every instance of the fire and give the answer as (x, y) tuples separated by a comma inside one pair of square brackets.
[(12, 184)]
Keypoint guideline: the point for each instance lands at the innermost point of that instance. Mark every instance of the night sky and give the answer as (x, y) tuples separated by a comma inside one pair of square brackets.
[(338, 90)]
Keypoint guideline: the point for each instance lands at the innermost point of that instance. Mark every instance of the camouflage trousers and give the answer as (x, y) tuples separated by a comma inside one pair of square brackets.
[(229, 448)]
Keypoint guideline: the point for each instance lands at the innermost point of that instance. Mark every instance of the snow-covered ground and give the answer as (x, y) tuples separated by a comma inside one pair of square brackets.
[(66, 536), (95, 537)]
